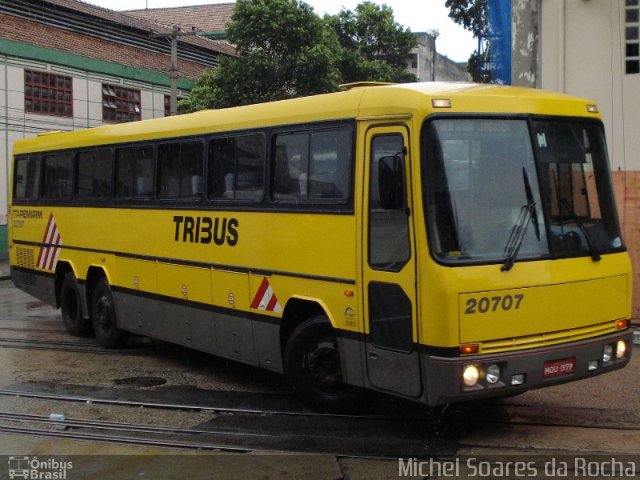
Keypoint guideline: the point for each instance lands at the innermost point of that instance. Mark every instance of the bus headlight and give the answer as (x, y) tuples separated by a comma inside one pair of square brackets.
[(607, 354), (621, 349), (493, 374), (470, 375)]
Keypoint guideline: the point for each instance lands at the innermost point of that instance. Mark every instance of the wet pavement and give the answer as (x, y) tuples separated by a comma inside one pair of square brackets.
[(242, 422)]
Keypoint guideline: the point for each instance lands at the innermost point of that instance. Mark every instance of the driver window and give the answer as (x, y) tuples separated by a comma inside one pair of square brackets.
[(389, 247)]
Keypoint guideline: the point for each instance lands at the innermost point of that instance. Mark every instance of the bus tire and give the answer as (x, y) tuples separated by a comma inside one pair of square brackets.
[(313, 368), (71, 307), (103, 316)]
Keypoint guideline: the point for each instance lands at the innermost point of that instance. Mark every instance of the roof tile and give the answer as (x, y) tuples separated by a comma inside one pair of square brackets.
[(209, 18)]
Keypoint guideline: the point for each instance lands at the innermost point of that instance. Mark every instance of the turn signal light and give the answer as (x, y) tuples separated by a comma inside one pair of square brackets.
[(469, 349), (622, 324)]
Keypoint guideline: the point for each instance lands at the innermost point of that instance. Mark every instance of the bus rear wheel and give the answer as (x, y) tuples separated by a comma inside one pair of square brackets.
[(313, 368), (103, 316), (71, 307)]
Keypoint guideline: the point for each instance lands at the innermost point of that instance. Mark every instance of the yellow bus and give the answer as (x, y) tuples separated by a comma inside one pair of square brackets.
[(437, 242)]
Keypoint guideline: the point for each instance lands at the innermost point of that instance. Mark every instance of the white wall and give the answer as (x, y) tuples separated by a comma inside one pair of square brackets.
[(16, 124), (582, 53)]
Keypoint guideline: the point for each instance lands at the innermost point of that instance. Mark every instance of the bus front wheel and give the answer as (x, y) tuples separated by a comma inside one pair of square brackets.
[(314, 370), (71, 307), (103, 316)]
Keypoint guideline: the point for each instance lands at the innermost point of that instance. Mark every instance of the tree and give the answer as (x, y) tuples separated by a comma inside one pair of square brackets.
[(373, 45), (473, 16), (284, 51)]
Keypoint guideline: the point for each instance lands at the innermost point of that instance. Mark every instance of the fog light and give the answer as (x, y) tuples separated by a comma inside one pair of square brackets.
[(593, 365), (517, 379), (470, 375), (621, 349), (607, 353), (493, 374)]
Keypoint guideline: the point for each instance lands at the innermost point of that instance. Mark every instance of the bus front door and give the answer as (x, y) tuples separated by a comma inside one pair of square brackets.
[(389, 265)]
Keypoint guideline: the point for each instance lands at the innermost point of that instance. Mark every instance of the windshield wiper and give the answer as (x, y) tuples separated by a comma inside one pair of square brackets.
[(564, 203), (528, 214), (593, 250)]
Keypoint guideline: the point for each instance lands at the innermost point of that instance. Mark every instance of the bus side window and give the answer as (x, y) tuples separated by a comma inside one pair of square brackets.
[(222, 152), (58, 176), (26, 179), (291, 167), (236, 168), (95, 179), (330, 164), (250, 167), (134, 172), (179, 170), (313, 166)]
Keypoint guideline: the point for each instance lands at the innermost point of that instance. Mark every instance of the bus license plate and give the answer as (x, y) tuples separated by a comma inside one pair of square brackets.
[(556, 368)]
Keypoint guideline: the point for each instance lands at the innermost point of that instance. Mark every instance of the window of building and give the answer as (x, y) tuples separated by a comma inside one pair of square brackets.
[(180, 168), (413, 60), (120, 104), (236, 168), (94, 174), (632, 36), (47, 93)]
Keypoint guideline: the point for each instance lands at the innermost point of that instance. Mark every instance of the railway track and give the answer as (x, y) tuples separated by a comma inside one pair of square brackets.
[(71, 346), (235, 428), (243, 421), (382, 410), (239, 421), (115, 432)]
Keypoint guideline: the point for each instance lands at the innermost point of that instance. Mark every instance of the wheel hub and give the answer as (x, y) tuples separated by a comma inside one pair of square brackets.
[(324, 365), (102, 312)]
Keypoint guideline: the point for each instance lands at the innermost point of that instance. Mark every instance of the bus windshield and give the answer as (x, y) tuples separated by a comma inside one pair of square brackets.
[(499, 189)]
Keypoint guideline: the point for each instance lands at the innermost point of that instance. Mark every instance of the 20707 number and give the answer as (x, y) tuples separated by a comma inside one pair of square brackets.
[(493, 304)]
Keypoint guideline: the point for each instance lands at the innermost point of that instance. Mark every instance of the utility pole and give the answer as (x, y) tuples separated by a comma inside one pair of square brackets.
[(173, 71)]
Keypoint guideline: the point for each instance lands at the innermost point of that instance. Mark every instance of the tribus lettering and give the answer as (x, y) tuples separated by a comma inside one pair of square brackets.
[(206, 230)]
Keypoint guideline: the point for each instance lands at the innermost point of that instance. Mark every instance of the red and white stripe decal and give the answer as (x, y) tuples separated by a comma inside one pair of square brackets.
[(265, 299), (50, 251)]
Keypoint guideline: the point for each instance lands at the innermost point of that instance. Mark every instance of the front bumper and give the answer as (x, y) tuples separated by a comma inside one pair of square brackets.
[(443, 375)]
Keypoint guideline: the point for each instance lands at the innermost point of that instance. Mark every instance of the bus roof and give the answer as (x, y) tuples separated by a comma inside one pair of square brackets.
[(365, 102)]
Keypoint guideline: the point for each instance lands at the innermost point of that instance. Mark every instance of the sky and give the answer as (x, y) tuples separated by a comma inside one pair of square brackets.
[(419, 15)]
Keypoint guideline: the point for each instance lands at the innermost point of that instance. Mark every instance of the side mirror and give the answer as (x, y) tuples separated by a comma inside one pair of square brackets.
[(391, 183)]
